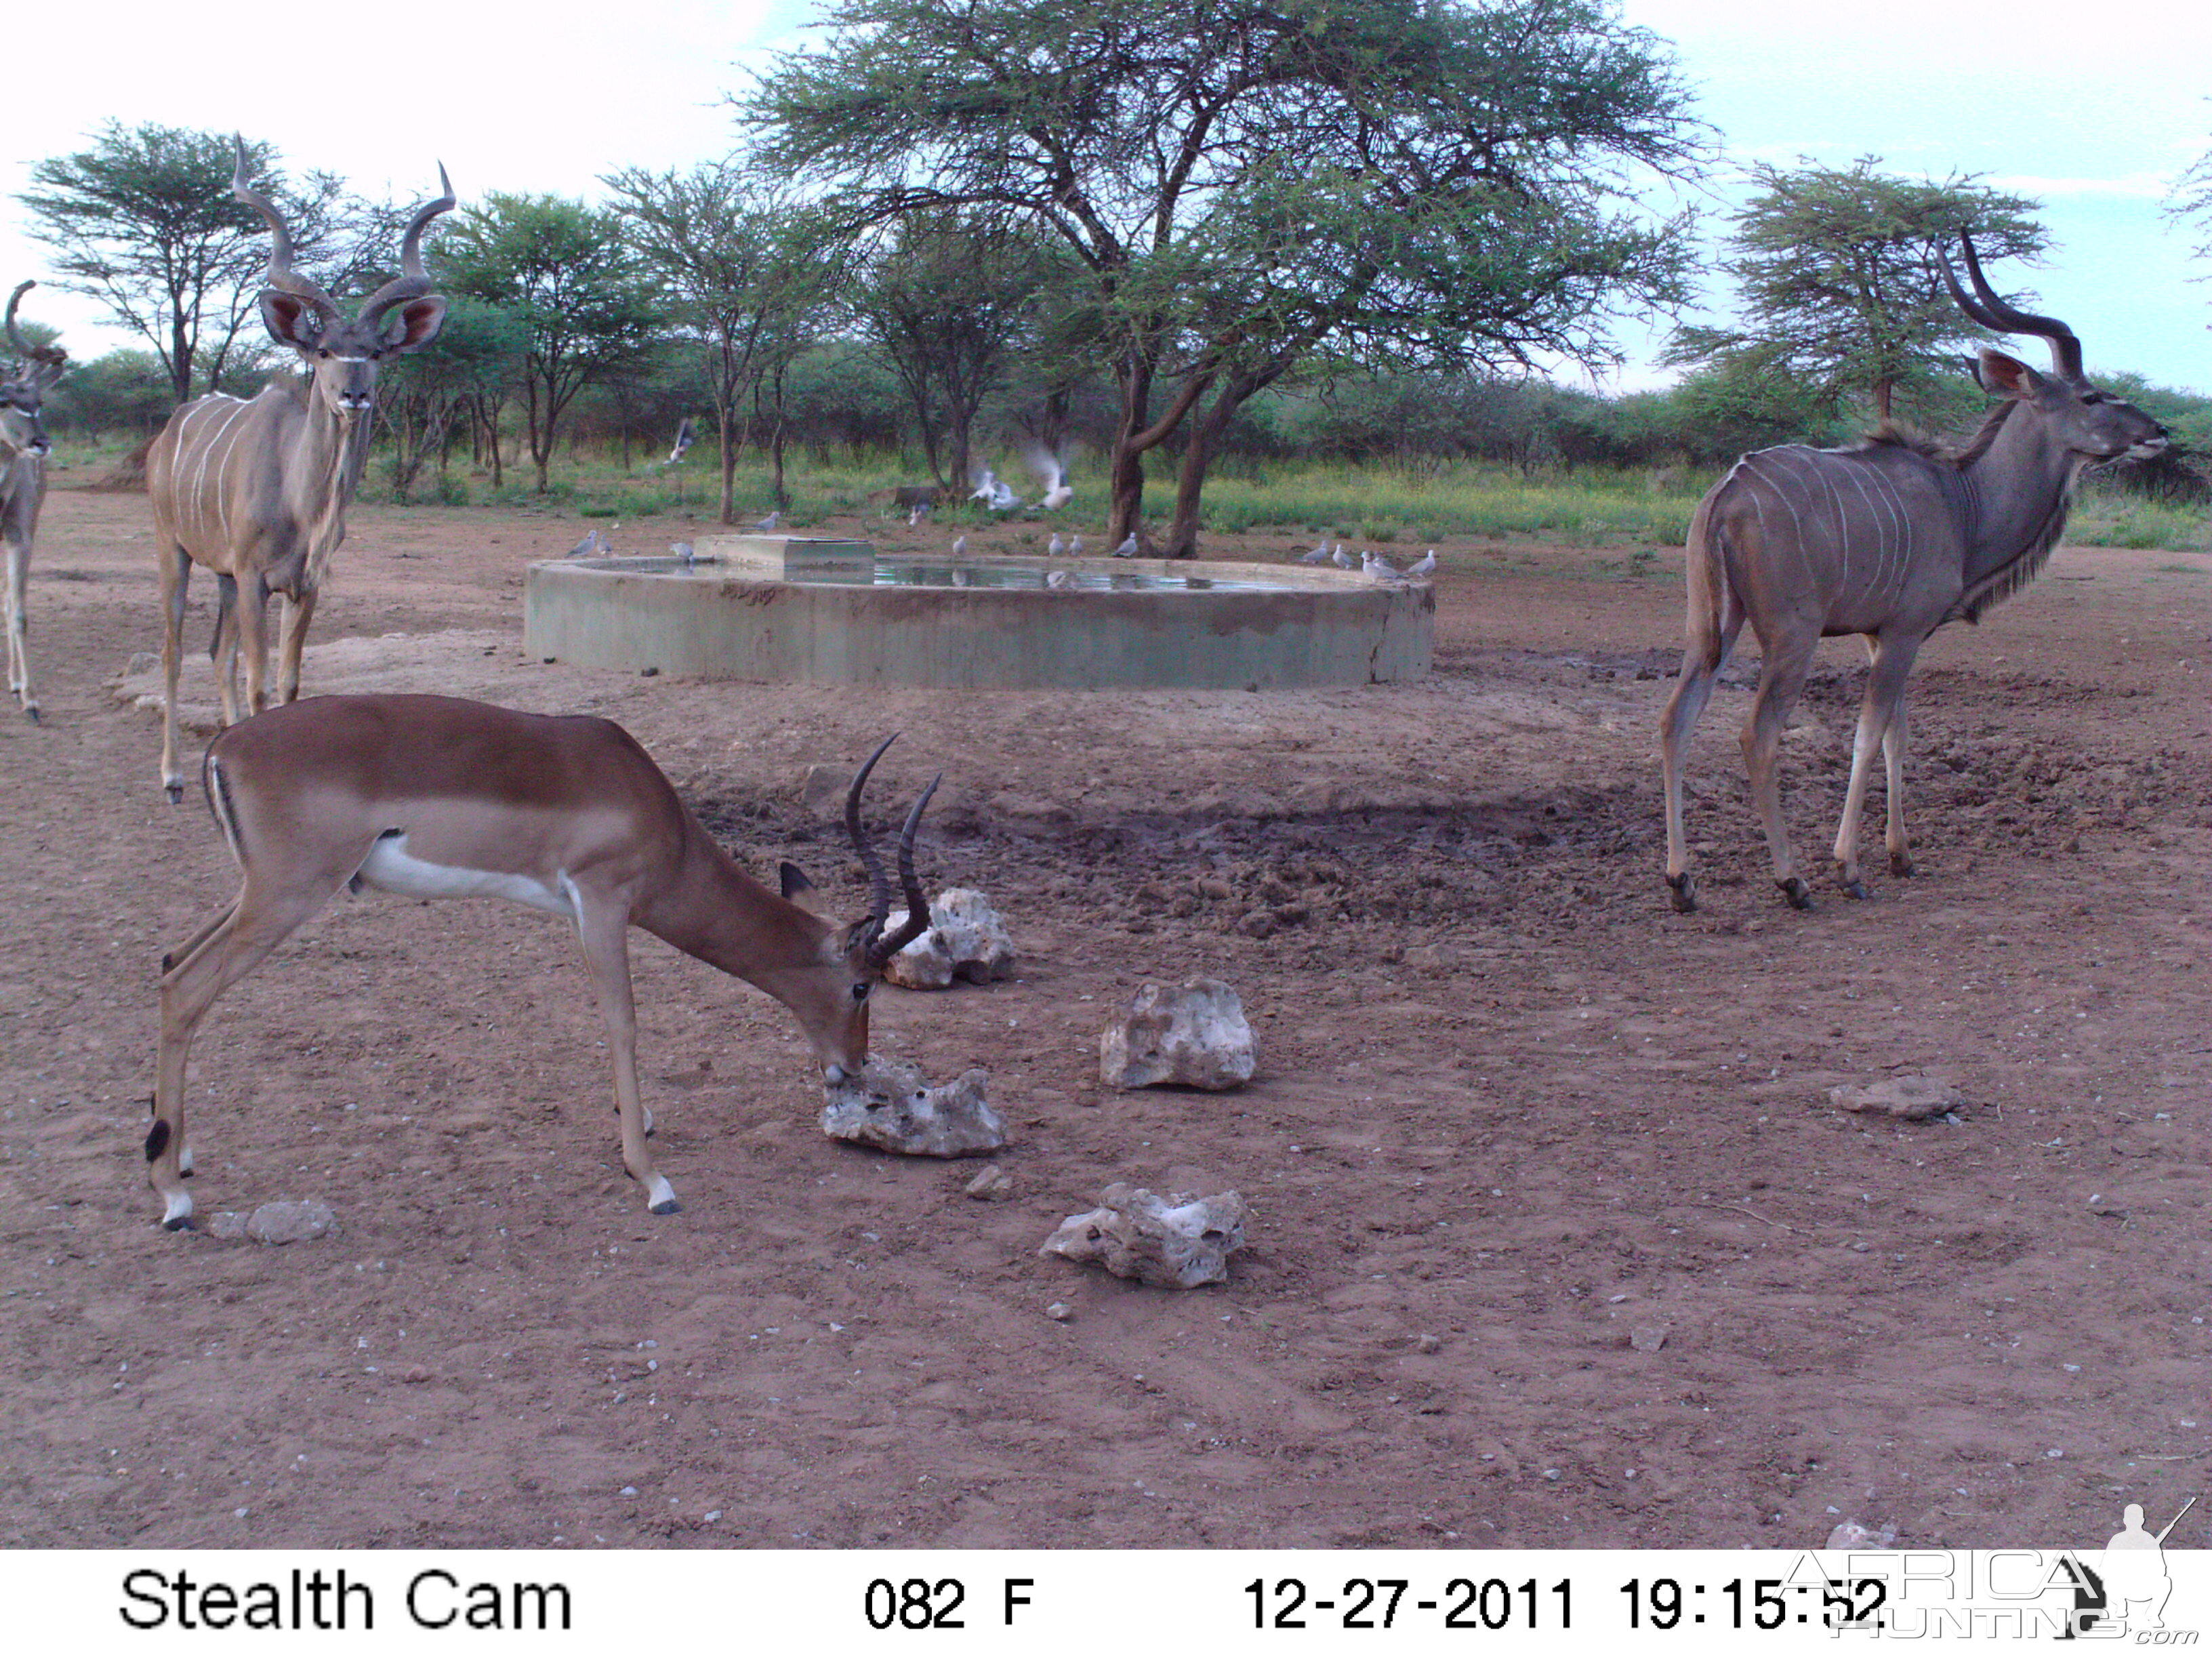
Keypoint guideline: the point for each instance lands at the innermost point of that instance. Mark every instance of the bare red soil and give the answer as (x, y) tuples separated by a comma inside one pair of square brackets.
[(1511, 1110)]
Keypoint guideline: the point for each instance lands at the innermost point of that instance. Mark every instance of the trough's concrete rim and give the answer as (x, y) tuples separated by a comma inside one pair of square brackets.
[(1278, 579)]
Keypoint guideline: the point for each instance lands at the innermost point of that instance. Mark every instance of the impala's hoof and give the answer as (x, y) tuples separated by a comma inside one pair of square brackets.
[(1854, 888), (666, 1206), (1682, 891), (175, 792), (178, 1217), (30, 713), (1900, 864), (1799, 895)]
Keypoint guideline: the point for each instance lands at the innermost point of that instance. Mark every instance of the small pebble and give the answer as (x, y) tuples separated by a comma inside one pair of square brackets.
[(1059, 1311), (1428, 1343), (630, 1492)]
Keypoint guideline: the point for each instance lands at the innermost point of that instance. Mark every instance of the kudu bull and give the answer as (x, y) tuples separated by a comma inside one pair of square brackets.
[(23, 449), (1891, 540), (256, 489)]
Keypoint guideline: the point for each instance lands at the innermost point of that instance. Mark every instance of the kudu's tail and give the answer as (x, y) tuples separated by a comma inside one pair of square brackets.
[(1715, 611)]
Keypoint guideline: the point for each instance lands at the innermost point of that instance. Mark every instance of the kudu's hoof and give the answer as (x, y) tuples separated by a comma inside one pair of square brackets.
[(1900, 864), (1853, 887), (1799, 895), (1682, 892)]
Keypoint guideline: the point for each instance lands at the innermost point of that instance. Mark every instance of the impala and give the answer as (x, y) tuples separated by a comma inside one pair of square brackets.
[(441, 798), (256, 489), (23, 450), (1890, 539)]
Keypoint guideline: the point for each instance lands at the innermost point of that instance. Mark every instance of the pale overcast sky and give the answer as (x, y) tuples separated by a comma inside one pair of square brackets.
[(2094, 120)]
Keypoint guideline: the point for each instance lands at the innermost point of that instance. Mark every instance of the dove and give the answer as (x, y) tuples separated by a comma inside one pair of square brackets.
[(960, 547), (764, 525), (586, 548), (1127, 548), (1319, 556), (1053, 477), (1060, 579), (1057, 545), (683, 435), (683, 551), (1337, 558), (1427, 567), (1075, 547), (1381, 568)]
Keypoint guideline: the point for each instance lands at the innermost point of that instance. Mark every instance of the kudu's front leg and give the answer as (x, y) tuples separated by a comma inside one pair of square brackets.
[(292, 639), (18, 625), (1882, 726)]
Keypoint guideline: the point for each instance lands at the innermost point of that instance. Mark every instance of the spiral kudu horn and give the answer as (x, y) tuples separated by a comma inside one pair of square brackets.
[(1991, 311)]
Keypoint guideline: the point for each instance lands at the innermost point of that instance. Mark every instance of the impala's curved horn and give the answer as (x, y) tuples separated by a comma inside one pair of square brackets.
[(879, 885), (413, 282), (917, 903), (1992, 312), (280, 275)]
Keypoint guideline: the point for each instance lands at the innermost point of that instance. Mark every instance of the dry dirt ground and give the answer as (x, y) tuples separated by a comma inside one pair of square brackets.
[(1511, 1109)]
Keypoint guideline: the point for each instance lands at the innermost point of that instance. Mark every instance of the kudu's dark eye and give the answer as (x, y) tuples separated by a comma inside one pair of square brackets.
[(860, 992)]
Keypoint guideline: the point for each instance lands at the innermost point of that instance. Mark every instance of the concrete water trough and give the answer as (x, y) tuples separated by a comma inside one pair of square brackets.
[(838, 613)]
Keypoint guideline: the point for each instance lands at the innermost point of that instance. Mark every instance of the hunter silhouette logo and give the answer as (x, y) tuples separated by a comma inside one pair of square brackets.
[(2132, 1584)]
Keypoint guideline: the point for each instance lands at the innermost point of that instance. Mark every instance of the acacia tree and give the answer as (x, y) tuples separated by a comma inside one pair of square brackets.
[(429, 392), (2190, 200), (720, 248), (1247, 181), (144, 222), (948, 302), (562, 272), (1837, 271)]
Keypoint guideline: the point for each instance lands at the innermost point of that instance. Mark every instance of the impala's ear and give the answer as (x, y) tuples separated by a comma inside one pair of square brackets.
[(2007, 376), (293, 320), (793, 878), (416, 326)]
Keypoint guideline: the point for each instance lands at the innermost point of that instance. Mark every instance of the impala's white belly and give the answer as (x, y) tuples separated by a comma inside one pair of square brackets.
[(390, 868)]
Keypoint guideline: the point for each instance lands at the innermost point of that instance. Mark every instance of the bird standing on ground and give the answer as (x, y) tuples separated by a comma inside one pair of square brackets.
[(1056, 546), (1127, 548), (1427, 567), (761, 526), (1075, 547), (1319, 556), (591, 545), (1339, 559)]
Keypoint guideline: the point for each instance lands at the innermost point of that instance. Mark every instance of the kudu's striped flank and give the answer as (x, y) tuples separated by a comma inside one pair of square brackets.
[(1891, 540), (23, 449), (256, 489)]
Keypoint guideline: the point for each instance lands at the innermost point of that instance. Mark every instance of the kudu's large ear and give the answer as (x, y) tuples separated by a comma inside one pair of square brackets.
[(293, 321), (2006, 376), (417, 325)]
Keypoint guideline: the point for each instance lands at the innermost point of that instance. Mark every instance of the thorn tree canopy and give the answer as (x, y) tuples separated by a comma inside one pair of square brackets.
[(1248, 183), (1839, 283), (144, 222)]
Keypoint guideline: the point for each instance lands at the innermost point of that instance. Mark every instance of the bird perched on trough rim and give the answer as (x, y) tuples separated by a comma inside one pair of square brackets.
[(1075, 547), (1380, 568), (1127, 548), (1053, 474), (1340, 559), (960, 546), (1056, 546), (683, 551), (764, 525)]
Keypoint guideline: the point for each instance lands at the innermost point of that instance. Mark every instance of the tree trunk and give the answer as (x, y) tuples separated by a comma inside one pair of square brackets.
[(728, 462), (775, 446), (1125, 465)]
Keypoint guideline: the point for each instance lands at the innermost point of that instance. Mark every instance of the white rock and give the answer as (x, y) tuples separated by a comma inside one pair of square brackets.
[(1857, 1535), (991, 1184), (890, 1106), (1176, 1242), (284, 1222), (1912, 1095), (965, 940), (1195, 1035)]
